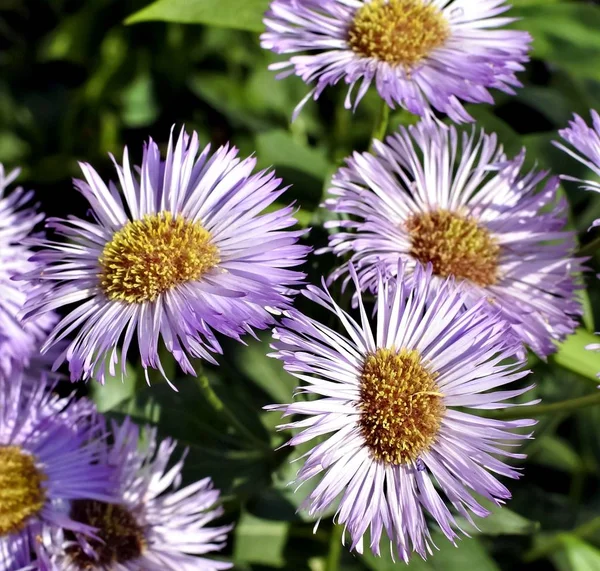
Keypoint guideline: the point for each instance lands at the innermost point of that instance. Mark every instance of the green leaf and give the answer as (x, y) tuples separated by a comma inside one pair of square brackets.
[(469, 553), (501, 521), (279, 148), (115, 391), (266, 372), (556, 453), (215, 448), (238, 14), (577, 555), (12, 148), (588, 435), (550, 102), (588, 310), (139, 104), (573, 355), (286, 490), (228, 98), (260, 541), (487, 120), (299, 165), (564, 34)]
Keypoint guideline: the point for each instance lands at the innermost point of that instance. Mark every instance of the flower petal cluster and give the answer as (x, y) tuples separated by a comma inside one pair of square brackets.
[(75, 496), (162, 526), (447, 453), (19, 342), (185, 251), (430, 194), (391, 44), (584, 145), (50, 451)]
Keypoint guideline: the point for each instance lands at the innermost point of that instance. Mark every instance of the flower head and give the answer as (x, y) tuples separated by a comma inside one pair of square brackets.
[(152, 525), (19, 343), (421, 54), (393, 442), (586, 142), (430, 195), (185, 254), (49, 455)]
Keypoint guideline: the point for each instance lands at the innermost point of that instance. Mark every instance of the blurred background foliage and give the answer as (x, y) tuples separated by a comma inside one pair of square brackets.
[(77, 82)]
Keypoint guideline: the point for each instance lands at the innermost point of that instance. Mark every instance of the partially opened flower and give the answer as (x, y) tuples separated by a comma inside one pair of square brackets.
[(49, 453), (431, 195), (19, 343), (189, 251), (398, 441), (152, 525), (586, 142), (420, 54)]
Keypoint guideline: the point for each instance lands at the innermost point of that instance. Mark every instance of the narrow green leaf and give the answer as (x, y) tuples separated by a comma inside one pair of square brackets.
[(469, 553), (238, 14), (279, 148), (556, 453), (140, 108), (577, 555), (588, 310), (114, 391), (260, 541), (564, 34), (266, 372), (573, 355), (501, 521)]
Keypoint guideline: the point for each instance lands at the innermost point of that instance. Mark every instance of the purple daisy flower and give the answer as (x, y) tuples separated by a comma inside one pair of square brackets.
[(429, 194), (49, 453), (421, 54), (586, 142), (153, 525), (186, 254), (397, 444), (19, 343)]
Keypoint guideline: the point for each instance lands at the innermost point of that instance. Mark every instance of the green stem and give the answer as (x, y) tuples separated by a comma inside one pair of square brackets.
[(335, 548), (583, 531), (338, 149), (221, 408), (590, 248), (381, 123), (535, 411)]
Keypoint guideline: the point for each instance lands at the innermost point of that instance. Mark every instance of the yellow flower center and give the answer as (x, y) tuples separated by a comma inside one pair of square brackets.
[(455, 245), (121, 538), (150, 256), (401, 406), (400, 32), (22, 494)]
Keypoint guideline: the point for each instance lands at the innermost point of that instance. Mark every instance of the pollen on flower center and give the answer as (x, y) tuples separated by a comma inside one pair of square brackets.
[(400, 32), (401, 405), (121, 538), (455, 245), (22, 493), (150, 256)]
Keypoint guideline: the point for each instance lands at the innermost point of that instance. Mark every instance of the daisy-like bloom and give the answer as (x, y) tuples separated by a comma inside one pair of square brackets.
[(49, 453), (421, 54), (431, 195), (396, 442), (19, 343), (185, 254), (586, 142), (153, 525)]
